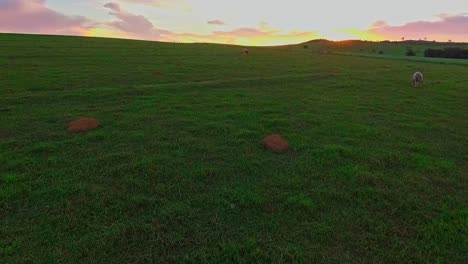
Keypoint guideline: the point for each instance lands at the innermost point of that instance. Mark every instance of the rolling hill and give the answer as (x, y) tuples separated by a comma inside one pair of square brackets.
[(376, 173)]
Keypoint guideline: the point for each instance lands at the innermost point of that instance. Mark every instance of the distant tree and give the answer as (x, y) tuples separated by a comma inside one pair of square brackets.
[(402, 38), (410, 52), (452, 53), (433, 53)]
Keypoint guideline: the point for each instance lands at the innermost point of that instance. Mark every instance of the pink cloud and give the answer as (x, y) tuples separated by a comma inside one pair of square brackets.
[(140, 27), (33, 16), (135, 26), (452, 27), (113, 6)]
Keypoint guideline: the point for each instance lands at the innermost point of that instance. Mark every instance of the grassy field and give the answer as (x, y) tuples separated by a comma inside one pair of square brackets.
[(377, 172), (386, 49)]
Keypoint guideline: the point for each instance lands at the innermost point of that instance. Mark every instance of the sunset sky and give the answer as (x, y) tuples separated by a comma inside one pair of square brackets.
[(247, 22)]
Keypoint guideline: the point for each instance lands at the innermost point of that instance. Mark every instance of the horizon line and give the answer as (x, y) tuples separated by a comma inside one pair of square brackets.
[(227, 44)]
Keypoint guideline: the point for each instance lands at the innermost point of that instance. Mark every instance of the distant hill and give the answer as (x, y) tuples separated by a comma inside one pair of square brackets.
[(381, 48), (357, 41)]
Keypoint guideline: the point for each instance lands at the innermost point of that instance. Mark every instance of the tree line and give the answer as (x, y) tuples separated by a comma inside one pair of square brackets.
[(452, 53)]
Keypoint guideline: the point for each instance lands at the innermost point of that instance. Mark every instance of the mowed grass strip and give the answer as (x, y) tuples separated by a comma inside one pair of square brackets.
[(176, 173)]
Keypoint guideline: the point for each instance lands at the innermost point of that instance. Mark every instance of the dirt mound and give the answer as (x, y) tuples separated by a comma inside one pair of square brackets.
[(275, 144), (83, 125)]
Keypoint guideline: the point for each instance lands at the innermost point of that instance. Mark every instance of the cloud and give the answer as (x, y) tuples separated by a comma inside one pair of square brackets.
[(33, 16), (216, 22), (9, 4), (134, 26), (446, 27), (249, 36), (113, 6), (139, 27)]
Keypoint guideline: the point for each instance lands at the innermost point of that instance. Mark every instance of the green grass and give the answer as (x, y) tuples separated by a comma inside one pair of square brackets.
[(386, 49), (377, 172)]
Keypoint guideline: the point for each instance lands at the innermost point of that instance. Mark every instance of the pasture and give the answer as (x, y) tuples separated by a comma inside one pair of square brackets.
[(376, 173)]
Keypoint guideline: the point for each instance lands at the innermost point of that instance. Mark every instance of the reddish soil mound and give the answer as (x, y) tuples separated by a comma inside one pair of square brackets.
[(276, 144), (83, 125)]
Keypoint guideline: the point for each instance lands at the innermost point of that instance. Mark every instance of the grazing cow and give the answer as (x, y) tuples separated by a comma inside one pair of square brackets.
[(245, 51), (417, 79)]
